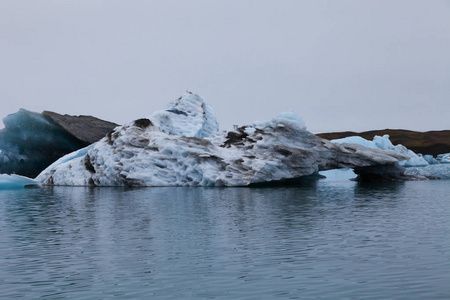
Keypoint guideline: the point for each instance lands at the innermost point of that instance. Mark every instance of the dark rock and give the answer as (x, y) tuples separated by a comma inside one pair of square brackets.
[(87, 129)]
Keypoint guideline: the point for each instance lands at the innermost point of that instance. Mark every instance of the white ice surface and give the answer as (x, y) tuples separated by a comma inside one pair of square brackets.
[(190, 115), (287, 116), (64, 160), (356, 140)]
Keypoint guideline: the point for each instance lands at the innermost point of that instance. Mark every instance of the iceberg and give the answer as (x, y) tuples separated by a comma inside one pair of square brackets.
[(439, 171), (383, 142), (431, 160), (31, 141), (417, 166), (16, 182), (444, 158), (439, 168), (182, 146), (428, 142)]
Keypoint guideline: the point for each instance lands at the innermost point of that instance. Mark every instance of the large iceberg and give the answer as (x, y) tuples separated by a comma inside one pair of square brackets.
[(181, 146)]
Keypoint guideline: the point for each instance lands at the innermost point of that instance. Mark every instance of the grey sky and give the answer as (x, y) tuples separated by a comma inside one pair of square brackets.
[(341, 65)]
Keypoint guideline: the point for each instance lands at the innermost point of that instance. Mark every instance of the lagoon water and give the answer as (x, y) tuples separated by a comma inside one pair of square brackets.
[(324, 240)]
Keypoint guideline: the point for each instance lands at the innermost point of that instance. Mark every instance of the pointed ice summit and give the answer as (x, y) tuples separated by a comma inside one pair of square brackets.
[(181, 146), (189, 115)]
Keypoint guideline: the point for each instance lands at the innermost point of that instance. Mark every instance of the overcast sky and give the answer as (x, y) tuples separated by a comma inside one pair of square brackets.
[(341, 65)]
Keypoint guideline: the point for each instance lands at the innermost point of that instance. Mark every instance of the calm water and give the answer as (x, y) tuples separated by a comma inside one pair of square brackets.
[(324, 241)]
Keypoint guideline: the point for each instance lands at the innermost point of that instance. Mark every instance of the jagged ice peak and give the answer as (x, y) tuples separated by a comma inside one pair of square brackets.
[(190, 115)]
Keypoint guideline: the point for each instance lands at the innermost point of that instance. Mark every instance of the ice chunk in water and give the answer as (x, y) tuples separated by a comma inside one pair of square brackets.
[(384, 143), (16, 181)]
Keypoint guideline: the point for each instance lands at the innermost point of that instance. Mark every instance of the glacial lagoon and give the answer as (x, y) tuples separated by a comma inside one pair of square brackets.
[(320, 240)]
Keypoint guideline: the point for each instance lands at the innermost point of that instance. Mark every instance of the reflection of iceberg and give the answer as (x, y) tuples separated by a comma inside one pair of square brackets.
[(16, 181), (181, 146)]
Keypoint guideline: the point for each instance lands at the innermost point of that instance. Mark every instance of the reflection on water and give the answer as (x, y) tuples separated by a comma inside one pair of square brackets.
[(324, 240)]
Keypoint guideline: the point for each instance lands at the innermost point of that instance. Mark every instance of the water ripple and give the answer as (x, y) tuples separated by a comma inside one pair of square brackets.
[(322, 241)]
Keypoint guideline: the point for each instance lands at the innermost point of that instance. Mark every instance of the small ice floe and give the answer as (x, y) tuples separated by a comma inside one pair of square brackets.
[(13, 181)]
